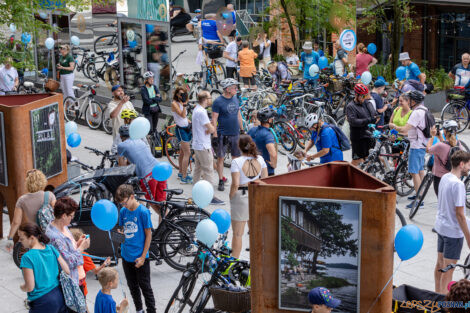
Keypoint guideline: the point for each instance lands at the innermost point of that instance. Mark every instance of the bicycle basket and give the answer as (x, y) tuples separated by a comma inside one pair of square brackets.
[(409, 299), (51, 85), (215, 52), (231, 301)]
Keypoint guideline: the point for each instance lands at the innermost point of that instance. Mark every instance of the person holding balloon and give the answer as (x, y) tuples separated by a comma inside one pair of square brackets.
[(134, 218), (411, 69), (364, 60), (307, 58), (66, 66), (247, 168)]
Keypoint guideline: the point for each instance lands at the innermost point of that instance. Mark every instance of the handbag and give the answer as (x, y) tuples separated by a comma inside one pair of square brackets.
[(73, 296), (155, 108)]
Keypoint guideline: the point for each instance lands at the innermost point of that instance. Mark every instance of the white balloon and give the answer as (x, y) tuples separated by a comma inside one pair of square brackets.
[(313, 70), (130, 35), (366, 77), (75, 40), (49, 43), (13, 27), (202, 193), (139, 128)]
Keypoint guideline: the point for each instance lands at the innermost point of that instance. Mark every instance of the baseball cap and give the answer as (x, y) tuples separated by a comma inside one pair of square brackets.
[(321, 295), (115, 87), (380, 83)]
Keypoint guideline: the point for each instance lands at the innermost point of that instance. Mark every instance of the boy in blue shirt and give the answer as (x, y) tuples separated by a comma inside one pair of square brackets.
[(412, 70), (104, 303), (307, 58), (136, 224)]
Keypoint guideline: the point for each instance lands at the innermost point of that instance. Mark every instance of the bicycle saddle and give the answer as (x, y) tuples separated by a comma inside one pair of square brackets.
[(174, 191), (28, 84)]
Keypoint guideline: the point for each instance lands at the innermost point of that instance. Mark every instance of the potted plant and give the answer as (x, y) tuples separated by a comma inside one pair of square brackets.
[(436, 100)]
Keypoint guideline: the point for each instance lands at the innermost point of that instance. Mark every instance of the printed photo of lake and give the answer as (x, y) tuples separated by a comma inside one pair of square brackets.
[(319, 246)]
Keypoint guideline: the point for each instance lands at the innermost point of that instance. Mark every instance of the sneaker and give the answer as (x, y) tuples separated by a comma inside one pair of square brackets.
[(409, 206), (217, 201), (413, 197), (180, 176), (221, 185), (224, 179), (187, 180)]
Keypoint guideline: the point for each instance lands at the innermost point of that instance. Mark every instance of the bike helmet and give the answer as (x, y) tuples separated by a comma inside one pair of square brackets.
[(129, 113), (416, 96), (124, 131), (228, 82), (265, 114), (311, 120), (361, 89), (147, 75), (450, 126)]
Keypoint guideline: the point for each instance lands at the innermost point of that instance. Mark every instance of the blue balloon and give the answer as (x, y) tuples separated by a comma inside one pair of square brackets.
[(202, 193), (401, 72), (366, 77), (162, 171), (74, 140), (25, 38), (206, 232), (139, 128), (222, 219), (149, 28), (132, 44), (70, 128), (75, 41), (104, 214), (371, 48), (49, 43), (408, 242), (322, 62), (45, 71)]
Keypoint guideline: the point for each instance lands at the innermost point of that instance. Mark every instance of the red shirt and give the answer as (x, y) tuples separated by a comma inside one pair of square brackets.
[(88, 265), (362, 61)]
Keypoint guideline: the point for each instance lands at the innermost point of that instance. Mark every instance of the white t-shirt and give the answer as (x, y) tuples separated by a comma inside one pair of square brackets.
[(292, 60), (118, 121), (232, 50), (237, 165), (451, 194), (417, 120), (267, 51), (7, 79), (201, 140)]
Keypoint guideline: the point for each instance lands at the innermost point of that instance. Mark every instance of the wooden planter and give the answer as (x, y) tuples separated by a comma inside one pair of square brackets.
[(336, 180), (47, 120)]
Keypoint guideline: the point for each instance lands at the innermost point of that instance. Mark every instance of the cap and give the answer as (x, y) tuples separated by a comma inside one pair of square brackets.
[(115, 87), (379, 83), (320, 295), (404, 56), (307, 45)]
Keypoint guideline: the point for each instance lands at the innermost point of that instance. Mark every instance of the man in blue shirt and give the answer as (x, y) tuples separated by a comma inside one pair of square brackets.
[(264, 138), (325, 140), (460, 73), (210, 34), (227, 119), (412, 70), (307, 58)]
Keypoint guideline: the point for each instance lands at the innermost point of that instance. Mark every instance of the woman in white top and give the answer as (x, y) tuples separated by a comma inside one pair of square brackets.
[(247, 168), (183, 131)]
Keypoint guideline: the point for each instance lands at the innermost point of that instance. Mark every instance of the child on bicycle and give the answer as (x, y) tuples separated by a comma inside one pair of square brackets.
[(134, 218), (322, 301), (104, 302)]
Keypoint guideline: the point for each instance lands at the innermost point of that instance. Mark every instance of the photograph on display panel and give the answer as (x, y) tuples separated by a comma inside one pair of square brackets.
[(3, 155), (319, 246)]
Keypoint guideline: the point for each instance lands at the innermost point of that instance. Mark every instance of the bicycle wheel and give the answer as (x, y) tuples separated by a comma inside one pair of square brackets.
[(18, 251), (181, 295), (70, 109), (94, 114), (303, 136), (90, 69), (106, 43), (172, 151), (422, 191), (175, 248), (201, 300), (457, 112), (400, 220), (464, 146), (402, 181), (286, 139), (215, 94)]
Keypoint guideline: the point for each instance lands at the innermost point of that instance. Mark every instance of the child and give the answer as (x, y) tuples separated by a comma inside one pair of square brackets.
[(322, 301), (104, 303), (295, 161), (135, 220)]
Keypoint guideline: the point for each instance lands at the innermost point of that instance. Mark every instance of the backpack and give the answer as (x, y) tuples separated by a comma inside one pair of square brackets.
[(448, 164), (344, 143), (429, 123), (45, 214)]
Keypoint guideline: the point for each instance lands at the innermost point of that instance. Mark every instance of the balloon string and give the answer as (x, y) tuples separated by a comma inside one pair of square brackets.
[(80, 186), (380, 294), (116, 260), (94, 257)]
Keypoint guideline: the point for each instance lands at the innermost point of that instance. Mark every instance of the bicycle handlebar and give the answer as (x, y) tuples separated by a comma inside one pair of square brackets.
[(96, 151), (452, 266)]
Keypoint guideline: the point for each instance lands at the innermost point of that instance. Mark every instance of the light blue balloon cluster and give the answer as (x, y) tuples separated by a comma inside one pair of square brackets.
[(73, 138), (207, 232)]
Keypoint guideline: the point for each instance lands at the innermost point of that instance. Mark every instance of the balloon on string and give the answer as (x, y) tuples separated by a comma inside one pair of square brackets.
[(408, 242), (130, 35), (70, 128), (139, 128), (43, 15), (322, 62), (222, 219), (149, 28), (104, 214), (202, 193), (75, 40), (74, 140), (313, 70), (207, 232), (401, 72), (162, 171), (49, 43), (366, 77), (371, 48), (132, 44), (224, 21), (13, 27), (25, 38)]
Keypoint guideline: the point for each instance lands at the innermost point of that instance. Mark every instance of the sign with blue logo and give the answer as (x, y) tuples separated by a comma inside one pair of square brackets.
[(348, 39)]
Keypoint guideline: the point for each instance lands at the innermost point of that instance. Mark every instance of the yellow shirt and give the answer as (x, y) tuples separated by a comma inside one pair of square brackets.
[(398, 119)]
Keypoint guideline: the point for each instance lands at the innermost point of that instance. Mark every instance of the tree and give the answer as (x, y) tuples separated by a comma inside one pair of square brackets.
[(288, 243), (375, 17)]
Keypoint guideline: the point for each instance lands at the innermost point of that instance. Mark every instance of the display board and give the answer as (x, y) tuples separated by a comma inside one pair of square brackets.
[(45, 138), (3, 155)]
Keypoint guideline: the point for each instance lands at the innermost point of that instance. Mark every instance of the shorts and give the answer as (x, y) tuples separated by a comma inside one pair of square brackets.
[(450, 247), (360, 148), (183, 134), (230, 141), (231, 72), (416, 161), (156, 187), (248, 80)]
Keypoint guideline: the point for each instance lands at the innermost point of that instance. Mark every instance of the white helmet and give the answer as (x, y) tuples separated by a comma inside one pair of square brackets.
[(148, 75), (227, 82), (450, 126), (311, 120)]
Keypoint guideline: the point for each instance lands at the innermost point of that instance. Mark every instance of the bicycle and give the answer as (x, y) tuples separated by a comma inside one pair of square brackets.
[(458, 108), (465, 267), (214, 71), (86, 105), (108, 72)]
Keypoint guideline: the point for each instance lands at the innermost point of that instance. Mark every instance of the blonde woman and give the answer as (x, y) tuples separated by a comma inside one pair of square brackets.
[(66, 66), (364, 61), (29, 204)]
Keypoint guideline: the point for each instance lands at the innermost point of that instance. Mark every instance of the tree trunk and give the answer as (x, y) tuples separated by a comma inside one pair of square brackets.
[(289, 22), (314, 262), (396, 35)]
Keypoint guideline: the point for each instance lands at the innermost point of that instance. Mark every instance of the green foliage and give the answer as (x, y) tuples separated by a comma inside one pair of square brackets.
[(288, 243), (328, 282), (384, 71), (439, 78)]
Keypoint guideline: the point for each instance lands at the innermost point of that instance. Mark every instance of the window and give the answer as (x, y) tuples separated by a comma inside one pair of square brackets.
[(285, 209), (293, 212), (300, 220)]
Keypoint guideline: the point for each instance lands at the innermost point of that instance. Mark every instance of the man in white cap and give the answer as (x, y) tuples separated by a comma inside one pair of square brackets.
[(412, 70), (307, 58)]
